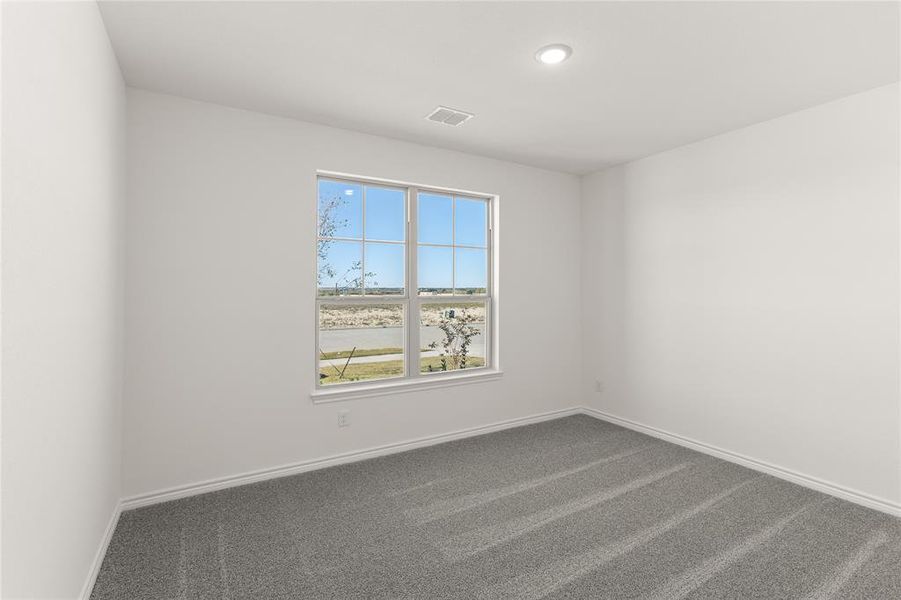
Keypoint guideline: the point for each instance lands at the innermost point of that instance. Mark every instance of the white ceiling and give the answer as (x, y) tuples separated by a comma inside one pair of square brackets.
[(644, 76)]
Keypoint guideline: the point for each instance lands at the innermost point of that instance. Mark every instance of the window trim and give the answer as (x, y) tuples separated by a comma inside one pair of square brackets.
[(411, 301)]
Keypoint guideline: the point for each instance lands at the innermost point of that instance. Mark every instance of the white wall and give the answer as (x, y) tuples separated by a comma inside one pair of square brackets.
[(63, 139), (744, 291), (219, 304)]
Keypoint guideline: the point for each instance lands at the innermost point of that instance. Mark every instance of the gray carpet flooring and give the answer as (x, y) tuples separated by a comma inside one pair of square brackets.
[(571, 508)]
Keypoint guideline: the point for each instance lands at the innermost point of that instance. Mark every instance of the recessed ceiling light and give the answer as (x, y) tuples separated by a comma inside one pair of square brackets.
[(553, 54)]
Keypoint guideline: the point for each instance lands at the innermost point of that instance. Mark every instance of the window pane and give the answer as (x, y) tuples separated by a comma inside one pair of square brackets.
[(436, 270), (340, 209), (360, 342), (384, 268), (386, 214), (452, 335), (471, 222), (436, 219), (340, 265), (471, 276)]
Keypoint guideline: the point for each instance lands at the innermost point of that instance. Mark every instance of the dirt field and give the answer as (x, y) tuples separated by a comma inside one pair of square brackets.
[(333, 316)]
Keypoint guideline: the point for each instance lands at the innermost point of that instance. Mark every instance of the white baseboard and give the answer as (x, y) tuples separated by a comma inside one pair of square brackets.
[(820, 485), (101, 553), (814, 483), (213, 485)]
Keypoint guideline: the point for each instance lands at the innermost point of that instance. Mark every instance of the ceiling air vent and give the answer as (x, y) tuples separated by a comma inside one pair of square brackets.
[(449, 116)]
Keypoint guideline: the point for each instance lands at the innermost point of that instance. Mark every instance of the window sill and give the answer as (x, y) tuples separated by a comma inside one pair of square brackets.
[(322, 396)]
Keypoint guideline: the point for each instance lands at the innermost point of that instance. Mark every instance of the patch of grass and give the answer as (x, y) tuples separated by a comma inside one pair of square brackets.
[(435, 363), (384, 370), (337, 354), (360, 352)]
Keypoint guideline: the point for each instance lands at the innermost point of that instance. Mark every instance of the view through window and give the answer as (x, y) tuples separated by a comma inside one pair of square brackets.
[(388, 307)]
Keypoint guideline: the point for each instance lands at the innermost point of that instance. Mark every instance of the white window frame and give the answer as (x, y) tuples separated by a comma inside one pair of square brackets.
[(411, 301)]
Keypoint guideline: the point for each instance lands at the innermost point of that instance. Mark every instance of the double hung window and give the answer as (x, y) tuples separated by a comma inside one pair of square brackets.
[(403, 284)]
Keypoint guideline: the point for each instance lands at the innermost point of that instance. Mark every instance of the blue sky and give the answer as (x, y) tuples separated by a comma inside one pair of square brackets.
[(442, 220)]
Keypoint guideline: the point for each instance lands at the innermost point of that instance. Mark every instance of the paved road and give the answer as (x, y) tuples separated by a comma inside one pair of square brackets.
[(333, 340)]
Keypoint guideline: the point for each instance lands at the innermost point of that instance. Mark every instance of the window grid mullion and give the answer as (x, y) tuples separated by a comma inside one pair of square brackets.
[(359, 239), (432, 245)]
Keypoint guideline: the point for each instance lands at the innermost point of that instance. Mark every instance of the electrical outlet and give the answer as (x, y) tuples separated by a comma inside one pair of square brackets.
[(598, 386), (343, 418)]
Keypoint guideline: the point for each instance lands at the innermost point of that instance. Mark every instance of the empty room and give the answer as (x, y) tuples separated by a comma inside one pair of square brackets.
[(450, 300)]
